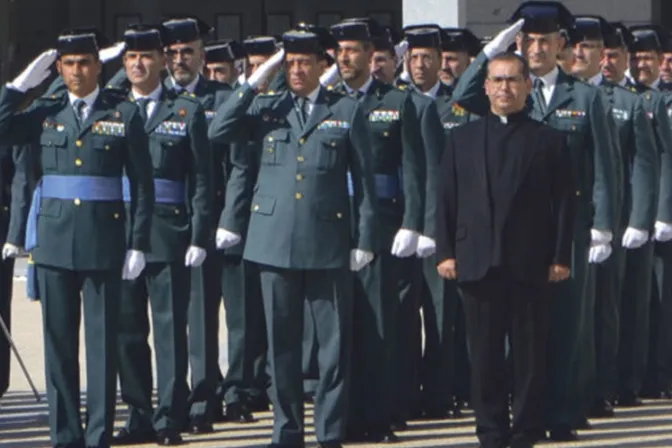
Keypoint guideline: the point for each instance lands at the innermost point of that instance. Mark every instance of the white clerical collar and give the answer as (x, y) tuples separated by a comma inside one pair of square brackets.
[(191, 87), (596, 80), (550, 78), (88, 99), (313, 95), (155, 95), (364, 88), (503, 119)]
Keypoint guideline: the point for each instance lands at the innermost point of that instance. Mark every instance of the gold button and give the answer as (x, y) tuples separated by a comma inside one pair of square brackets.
[(333, 144), (116, 216), (300, 159), (240, 94), (107, 147), (339, 215), (177, 211), (302, 141), (299, 177), (5, 208), (298, 196), (270, 139), (256, 207), (77, 201), (270, 150), (578, 192), (573, 127), (386, 134), (79, 143), (78, 162)]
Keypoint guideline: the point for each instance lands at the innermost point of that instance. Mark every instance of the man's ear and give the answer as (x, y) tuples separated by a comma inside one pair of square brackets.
[(58, 66)]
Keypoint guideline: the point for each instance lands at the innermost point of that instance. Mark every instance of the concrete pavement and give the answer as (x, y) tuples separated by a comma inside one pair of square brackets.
[(24, 422)]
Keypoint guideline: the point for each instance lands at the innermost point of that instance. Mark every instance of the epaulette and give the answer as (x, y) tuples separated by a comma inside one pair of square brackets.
[(269, 93), (402, 87), (189, 97), (53, 97)]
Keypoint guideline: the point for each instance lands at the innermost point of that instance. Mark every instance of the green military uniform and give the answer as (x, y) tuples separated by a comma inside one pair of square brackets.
[(396, 150), (6, 266), (638, 349), (299, 234), (206, 290), (81, 242), (578, 109), (638, 204), (444, 368), (181, 158)]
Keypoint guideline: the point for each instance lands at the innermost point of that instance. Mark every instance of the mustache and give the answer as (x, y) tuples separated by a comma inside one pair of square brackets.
[(182, 65)]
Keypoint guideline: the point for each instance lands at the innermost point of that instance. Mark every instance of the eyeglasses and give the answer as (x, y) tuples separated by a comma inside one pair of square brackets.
[(499, 80)]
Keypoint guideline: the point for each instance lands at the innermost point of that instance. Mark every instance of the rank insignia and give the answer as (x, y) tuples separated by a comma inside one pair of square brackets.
[(458, 110), (569, 113), (210, 114), (265, 117), (620, 114), (334, 124), (384, 116), (60, 128), (113, 128), (49, 124), (174, 128), (117, 114), (450, 125), (183, 112)]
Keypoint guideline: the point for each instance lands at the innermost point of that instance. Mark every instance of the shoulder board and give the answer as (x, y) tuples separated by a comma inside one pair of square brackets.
[(53, 98), (270, 93), (191, 99)]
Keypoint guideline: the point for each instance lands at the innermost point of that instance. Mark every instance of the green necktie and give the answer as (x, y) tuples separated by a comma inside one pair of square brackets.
[(142, 105), (79, 106), (539, 94), (302, 110)]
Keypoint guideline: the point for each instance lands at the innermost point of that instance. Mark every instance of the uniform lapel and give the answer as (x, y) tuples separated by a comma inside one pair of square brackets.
[(288, 110), (320, 112), (99, 111), (562, 94), (162, 111)]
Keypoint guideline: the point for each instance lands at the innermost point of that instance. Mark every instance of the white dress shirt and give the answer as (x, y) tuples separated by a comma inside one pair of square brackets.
[(596, 80), (431, 92), (364, 89), (549, 81), (191, 87), (623, 82), (655, 85), (89, 100), (153, 98), (310, 100)]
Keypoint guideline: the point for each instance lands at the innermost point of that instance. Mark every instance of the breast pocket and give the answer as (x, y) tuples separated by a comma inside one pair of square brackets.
[(167, 152), (275, 147), (54, 146), (106, 151), (332, 143)]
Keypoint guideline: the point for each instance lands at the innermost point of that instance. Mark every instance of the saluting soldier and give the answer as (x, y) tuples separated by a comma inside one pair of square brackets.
[(181, 169), (637, 203), (75, 227), (457, 46), (396, 150), (299, 231), (567, 104), (185, 58), (647, 53)]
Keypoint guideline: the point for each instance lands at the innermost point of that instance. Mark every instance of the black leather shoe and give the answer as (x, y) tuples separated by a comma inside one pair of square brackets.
[(438, 414), (563, 434), (126, 437), (329, 445), (601, 409), (384, 436), (355, 435), (258, 404), (398, 425), (218, 415), (629, 401), (584, 424), (200, 425), (168, 437), (237, 413)]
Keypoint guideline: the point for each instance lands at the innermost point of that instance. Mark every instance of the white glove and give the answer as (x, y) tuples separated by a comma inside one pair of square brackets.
[(359, 258), (600, 237), (426, 247), (663, 231), (599, 253), (266, 69), (330, 76), (195, 256), (405, 243), (35, 73), (400, 50), (503, 40), (134, 264), (225, 239), (405, 76), (113, 52), (241, 79), (634, 238), (9, 251)]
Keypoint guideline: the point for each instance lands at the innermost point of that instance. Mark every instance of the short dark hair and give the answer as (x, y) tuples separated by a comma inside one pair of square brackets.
[(511, 57)]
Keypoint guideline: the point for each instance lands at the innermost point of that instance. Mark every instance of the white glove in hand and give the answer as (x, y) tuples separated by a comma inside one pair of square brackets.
[(330, 76), (359, 258), (134, 264), (195, 256), (405, 76), (265, 69), (113, 52), (400, 49), (241, 79), (600, 236), (426, 247), (634, 238), (503, 40), (225, 239), (405, 243), (598, 253), (9, 251), (663, 231), (35, 73)]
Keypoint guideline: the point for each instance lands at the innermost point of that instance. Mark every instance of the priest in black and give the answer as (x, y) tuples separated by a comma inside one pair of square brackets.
[(504, 231)]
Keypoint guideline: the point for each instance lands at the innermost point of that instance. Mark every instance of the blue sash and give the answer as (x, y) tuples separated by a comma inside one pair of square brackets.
[(84, 188), (165, 191), (387, 186)]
